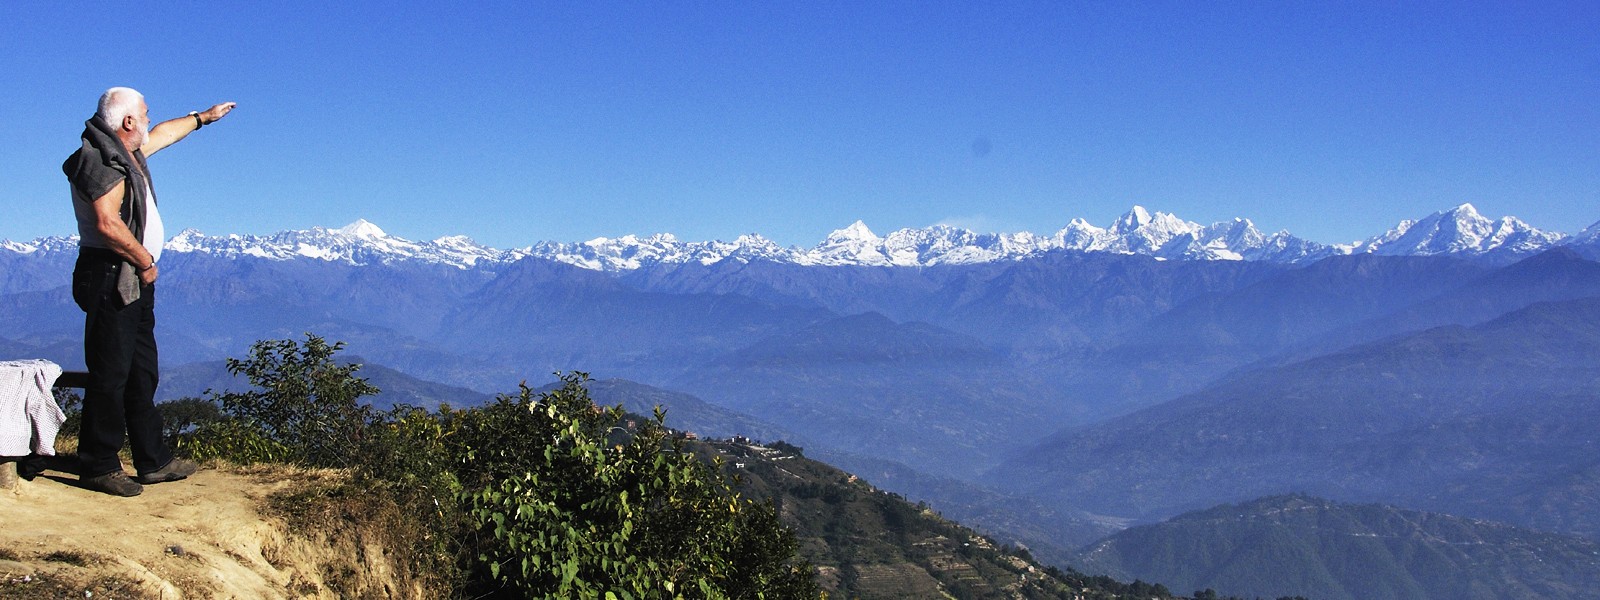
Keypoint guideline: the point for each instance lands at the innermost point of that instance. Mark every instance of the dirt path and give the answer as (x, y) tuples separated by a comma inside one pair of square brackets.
[(204, 537)]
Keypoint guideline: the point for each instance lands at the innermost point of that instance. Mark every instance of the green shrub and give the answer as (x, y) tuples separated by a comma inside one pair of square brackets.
[(573, 510), (234, 440), (406, 454)]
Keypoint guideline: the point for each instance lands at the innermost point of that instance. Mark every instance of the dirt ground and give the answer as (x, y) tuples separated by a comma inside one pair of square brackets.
[(203, 537)]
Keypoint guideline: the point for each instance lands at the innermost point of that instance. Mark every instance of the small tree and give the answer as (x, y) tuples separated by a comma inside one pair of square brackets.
[(304, 409)]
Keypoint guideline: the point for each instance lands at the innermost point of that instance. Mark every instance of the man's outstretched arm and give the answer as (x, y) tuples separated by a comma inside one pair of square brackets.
[(167, 133)]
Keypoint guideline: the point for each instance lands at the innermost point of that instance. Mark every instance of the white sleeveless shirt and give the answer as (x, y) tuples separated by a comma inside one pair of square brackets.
[(155, 235)]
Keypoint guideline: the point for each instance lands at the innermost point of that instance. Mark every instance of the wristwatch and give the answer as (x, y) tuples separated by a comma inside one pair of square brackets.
[(197, 122)]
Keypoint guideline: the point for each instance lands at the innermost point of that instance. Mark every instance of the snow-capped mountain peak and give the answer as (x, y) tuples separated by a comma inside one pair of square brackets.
[(853, 245), (856, 232), (1078, 235), (1135, 218), (362, 228), (1589, 235)]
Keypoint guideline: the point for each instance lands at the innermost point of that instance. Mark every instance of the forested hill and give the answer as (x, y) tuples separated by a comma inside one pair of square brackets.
[(1326, 550), (871, 543)]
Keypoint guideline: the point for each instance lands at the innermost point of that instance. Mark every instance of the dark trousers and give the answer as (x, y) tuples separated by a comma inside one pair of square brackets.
[(119, 347)]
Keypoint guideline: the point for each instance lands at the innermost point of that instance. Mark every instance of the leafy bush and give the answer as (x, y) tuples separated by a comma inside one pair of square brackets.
[(233, 440), (407, 450), (577, 512)]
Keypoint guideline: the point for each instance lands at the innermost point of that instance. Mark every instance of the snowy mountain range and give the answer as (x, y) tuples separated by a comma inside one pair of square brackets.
[(1460, 231)]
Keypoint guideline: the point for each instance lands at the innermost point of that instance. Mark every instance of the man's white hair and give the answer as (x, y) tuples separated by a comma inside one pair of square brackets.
[(119, 103)]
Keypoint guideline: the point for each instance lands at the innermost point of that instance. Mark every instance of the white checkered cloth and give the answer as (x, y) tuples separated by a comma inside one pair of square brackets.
[(29, 417)]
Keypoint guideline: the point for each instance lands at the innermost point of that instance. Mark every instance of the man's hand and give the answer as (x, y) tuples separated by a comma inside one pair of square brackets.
[(148, 276), (215, 113)]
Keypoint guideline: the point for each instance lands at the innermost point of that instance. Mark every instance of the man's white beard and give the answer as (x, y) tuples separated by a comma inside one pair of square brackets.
[(144, 136)]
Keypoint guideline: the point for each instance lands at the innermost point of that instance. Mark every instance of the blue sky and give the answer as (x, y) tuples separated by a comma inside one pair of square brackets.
[(525, 121)]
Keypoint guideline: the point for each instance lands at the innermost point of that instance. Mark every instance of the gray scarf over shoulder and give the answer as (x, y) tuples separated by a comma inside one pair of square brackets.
[(103, 162)]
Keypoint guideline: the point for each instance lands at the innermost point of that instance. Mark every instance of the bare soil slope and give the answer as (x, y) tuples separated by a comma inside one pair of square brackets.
[(205, 537)]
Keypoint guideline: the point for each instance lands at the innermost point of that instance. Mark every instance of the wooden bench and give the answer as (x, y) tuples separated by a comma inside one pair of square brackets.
[(73, 379), (68, 379)]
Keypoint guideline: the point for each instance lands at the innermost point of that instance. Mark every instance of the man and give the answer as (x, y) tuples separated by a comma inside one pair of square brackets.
[(121, 235)]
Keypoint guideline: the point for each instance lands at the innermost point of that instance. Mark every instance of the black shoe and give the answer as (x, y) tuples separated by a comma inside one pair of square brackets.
[(175, 469), (115, 483)]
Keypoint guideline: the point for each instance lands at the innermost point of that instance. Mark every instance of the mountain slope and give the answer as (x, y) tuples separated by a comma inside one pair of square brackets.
[(1182, 349), (1299, 304), (1557, 274), (1052, 533), (939, 401), (1319, 549), (42, 265), (1587, 242), (547, 316), (1496, 421), (1074, 300), (868, 543)]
